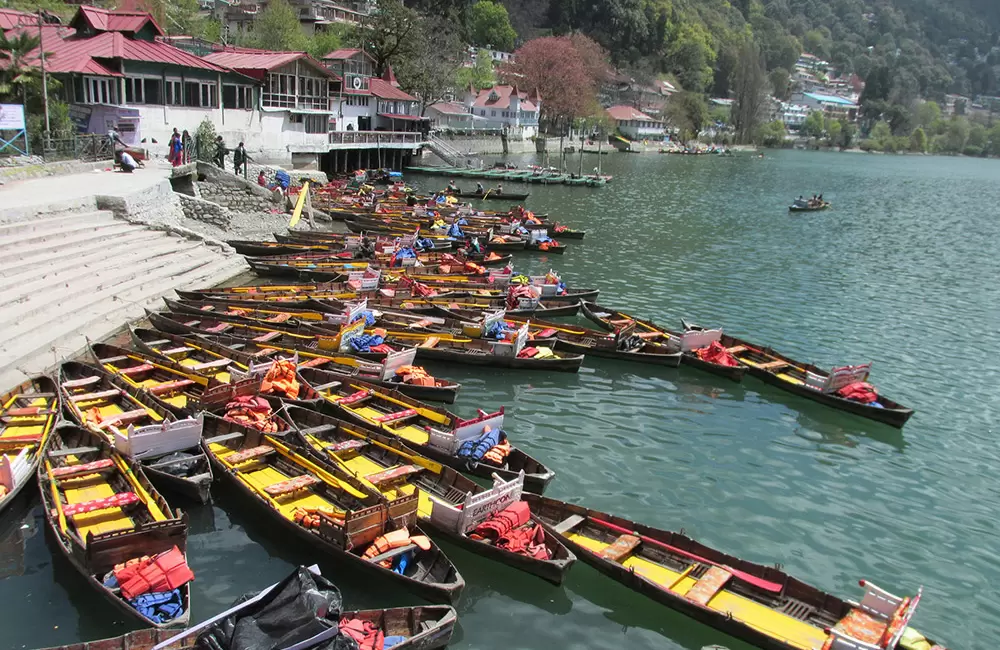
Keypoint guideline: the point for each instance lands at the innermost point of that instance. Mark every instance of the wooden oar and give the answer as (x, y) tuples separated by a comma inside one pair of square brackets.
[(760, 583), (55, 498)]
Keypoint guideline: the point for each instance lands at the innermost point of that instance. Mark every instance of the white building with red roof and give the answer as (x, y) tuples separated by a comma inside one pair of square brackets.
[(500, 108), (369, 102), (636, 125)]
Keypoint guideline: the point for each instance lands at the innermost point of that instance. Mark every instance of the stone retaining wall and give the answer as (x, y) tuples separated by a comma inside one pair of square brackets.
[(235, 198), (206, 211)]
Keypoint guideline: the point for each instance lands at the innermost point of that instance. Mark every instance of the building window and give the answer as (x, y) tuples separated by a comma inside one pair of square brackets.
[(133, 91), (174, 94), (99, 90), (316, 123), (493, 113), (234, 96)]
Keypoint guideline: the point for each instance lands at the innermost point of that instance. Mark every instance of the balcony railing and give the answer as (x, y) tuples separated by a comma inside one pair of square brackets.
[(376, 137)]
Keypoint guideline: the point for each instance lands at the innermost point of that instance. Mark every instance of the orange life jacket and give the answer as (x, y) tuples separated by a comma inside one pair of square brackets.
[(165, 572), (280, 378), (365, 633), (497, 454)]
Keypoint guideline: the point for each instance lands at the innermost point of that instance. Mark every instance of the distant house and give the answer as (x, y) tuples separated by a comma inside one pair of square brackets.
[(832, 105), (505, 108), (238, 16), (368, 102), (295, 102), (793, 116), (634, 124), (454, 116), (497, 56)]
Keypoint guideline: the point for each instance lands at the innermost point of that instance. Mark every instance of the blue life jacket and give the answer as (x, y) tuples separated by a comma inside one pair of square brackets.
[(475, 448)]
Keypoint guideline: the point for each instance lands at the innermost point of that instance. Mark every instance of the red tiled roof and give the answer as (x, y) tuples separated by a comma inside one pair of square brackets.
[(628, 113), (450, 108), (343, 53), (248, 61), (385, 90), (103, 20), (11, 18), (504, 94), (75, 54)]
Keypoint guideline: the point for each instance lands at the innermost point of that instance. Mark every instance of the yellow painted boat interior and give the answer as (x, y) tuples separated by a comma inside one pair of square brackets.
[(89, 488), (221, 375), (178, 399), (28, 430), (257, 474), (410, 432), (763, 619), (107, 407)]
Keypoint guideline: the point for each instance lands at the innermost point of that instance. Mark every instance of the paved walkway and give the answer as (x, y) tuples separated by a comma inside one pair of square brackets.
[(69, 271)]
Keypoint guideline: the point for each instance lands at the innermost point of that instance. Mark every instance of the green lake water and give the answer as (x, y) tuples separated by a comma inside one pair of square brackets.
[(903, 272)]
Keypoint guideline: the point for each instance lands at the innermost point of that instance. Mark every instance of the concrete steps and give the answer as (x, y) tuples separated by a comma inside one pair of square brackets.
[(69, 277)]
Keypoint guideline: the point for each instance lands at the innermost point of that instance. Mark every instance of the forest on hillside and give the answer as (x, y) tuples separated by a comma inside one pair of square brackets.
[(930, 47)]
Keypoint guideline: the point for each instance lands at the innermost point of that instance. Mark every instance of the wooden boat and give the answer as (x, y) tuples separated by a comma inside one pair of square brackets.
[(385, 467), (27, 414), (625, 345), (426, 627), (806, 208), (103, 511), (433, 432), (492, 195), (265, 248), (343, 521), (812, 382), (758, 604), (138, 427), (686, 344), (195, 356), (564, 232), (552, 247), (176, 390)]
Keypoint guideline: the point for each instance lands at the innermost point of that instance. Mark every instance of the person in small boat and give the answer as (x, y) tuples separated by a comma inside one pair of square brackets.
[(366, 250), (499, 189), (452, 188), (801, 202), (411, 200), (480, 189)]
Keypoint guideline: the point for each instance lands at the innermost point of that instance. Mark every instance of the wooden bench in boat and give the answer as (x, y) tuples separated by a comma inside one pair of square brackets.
[(73, 451), (220, 327), (81, 382), (346, 445), (25, 411), (128, 417), (397, 416), (392, 474), (282, 488), (117, 359), (267, 336), (327, 386), (621, 547), (172, 351), (117, 501), (244, 455), (31, 397), (211, 365), (74, 471), (170, 386), (312, 363), (89, 397), (569, 523), (705, 589), (773, 365), (430, 342), (736, 349), (136, 370), (157, 342), (224, 437), (354, 398), (323, 428)]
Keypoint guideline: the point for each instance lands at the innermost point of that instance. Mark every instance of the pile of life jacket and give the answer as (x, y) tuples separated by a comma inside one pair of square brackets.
[(309, 517), (512, 529), (717, 353), (369, 342), (280, 379), (424, 242), (860, 391), (515, 293), (497, 330), (367, 635), (456, 231), (415, 375), (540, 352), (491, 447), (151, 585), (396, 539), (475, 269), (251, 411)]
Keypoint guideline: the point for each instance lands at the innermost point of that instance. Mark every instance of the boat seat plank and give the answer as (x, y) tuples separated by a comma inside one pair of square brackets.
[(89, 397), (125, 418), (397, 416), (113, 360), (392, 553), (170, 386), (168, 463), (392, 474), (267, 336), (81, 382), (31, 398), (326, 386), (353, 398), (322, 428), (773, 365), (621, 547), (115, 501), (244, 455), (73, 451), (136, 370), (172, 351), (709, 585), (736, 349), (159, 342), (74, 471), (26, 411), (211, 365), (295, 484), (224, 437), (569, 523)]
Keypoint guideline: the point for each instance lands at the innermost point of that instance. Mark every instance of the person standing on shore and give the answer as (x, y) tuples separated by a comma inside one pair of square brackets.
[(220, 152), (175, 149), (239, 158)]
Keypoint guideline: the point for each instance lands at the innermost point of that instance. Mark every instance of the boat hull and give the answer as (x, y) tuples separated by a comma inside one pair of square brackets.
[(668, 360)]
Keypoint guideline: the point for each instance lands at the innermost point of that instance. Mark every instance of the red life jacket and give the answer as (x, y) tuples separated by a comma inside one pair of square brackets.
[(165, 572), (718, 354), (527, 540), (500, 523), (859, 391), (365, 633)]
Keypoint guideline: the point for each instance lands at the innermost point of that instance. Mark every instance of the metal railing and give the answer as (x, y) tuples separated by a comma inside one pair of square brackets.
[(376, 137), (85, 147)]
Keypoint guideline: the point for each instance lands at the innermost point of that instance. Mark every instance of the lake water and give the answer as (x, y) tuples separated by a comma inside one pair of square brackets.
[(903, 272)]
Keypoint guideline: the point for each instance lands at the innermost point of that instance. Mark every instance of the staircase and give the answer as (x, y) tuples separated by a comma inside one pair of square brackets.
[(81, 273), (445, 151)]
